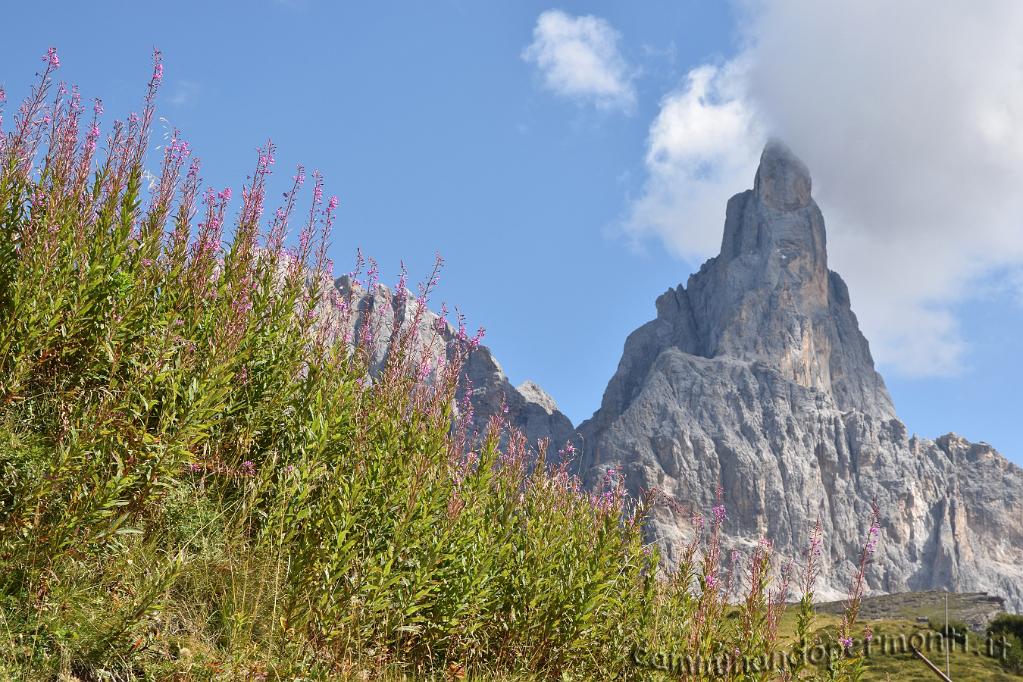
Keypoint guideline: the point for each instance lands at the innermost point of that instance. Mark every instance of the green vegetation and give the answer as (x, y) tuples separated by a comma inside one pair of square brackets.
[(200, 478), (956, 629), (1011, 628), (1008, 624)]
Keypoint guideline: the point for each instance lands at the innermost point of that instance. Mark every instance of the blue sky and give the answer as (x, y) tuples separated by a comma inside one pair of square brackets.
[(564, 204)]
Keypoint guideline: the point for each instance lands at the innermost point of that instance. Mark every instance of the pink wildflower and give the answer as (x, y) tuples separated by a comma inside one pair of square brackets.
[(816, 541), (157, 66), (266, 159), (719, 513), (51, 58), (424, 370)]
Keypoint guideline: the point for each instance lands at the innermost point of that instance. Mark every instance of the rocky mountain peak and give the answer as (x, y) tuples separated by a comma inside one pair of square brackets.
[(777, 224), (782, 181), (754, 376), (528, 408), (535, 394), (769, 297)]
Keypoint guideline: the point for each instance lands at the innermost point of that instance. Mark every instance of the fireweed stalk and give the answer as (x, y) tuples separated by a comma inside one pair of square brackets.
[(805, 616), (216, 461), (851, 665)]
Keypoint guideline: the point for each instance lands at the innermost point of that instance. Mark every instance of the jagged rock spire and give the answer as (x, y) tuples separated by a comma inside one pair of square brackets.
[(770, 298), (755, 377), (782, 181)]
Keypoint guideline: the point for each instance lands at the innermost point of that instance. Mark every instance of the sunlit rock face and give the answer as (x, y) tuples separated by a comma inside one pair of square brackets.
[(755, 376)]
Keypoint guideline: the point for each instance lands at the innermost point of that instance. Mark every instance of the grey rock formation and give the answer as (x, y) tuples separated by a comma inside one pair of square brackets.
[(755, 376), (529, 408)]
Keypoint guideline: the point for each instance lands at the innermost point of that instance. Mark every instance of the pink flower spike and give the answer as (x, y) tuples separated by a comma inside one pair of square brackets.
[(51, 58), (719, 513), (157, 65)]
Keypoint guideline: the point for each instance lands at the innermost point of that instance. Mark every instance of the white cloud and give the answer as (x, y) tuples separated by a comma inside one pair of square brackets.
[(699, 152), (578, 58), (910, 117)]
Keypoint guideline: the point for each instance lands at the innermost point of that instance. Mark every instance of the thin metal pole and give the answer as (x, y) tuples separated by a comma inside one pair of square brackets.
[(948, 644), (936, 669)]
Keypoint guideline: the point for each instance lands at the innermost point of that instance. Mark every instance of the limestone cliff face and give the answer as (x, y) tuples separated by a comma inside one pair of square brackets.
[(755, 375)]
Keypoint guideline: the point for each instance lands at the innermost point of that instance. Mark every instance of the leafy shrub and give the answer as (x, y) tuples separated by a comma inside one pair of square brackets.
[(1010, 627), (1014, 653), (1006, 623), (956, 629)]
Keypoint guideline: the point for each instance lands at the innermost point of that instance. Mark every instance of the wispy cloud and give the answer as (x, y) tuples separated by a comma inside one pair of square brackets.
[(184, 93), (907, 115), (578, 58), (699, 152)]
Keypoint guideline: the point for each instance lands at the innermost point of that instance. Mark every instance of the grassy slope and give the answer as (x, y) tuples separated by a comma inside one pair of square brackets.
[(892, 615)]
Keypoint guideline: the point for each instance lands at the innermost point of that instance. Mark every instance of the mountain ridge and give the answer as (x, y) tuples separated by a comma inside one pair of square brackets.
[(755, 377)]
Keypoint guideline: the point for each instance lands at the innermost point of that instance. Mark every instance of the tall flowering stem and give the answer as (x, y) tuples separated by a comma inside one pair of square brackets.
[(711, 600), (806, 616), (859, 583), (754, 610), (30, 121)]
